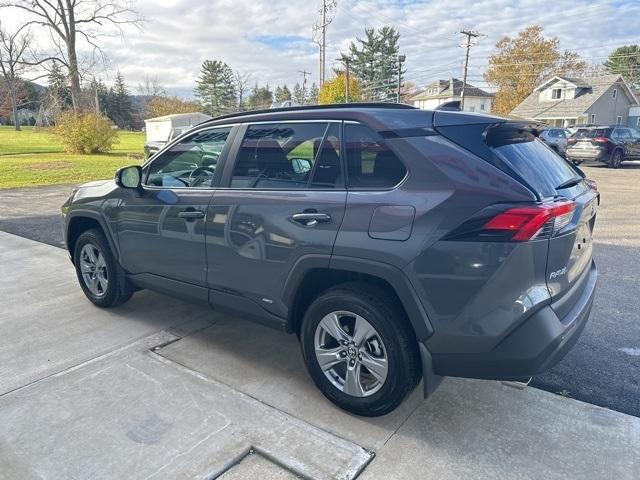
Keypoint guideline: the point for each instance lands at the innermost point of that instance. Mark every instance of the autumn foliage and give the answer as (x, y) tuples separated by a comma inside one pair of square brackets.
[(522, 63), (334, 90)]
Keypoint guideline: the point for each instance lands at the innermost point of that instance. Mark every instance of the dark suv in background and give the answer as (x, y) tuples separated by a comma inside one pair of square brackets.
[(397, 243), (609, 145)]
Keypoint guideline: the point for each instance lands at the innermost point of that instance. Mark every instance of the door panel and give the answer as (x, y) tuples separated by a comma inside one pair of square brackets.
[(160, 233), (253, 241)]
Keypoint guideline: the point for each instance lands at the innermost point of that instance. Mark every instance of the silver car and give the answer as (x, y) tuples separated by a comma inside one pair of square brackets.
[(556, 138)]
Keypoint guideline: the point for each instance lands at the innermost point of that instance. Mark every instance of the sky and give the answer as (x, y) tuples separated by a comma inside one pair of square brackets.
[(272, 40)]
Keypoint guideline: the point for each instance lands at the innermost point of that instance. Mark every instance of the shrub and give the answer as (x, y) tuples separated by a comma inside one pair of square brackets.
[(85, 132)]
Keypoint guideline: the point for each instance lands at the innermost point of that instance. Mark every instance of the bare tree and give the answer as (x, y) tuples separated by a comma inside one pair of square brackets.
[(150, 87), (13, 50), (73, 21), (242, 87)]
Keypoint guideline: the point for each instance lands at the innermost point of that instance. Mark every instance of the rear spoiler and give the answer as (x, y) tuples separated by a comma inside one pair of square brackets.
[(454, 105)]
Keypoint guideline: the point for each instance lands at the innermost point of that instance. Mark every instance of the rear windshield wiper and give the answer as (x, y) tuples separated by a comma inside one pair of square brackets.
[(572, 182)]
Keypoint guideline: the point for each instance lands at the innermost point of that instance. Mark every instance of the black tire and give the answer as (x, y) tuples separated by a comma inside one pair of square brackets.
[(118, 289), (616, 159), (382, 311)]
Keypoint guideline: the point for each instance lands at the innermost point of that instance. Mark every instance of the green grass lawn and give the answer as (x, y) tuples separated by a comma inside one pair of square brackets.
[(35, 157)]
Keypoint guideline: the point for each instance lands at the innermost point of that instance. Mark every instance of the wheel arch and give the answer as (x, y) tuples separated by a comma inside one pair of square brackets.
[(81, 221), (314, 274)]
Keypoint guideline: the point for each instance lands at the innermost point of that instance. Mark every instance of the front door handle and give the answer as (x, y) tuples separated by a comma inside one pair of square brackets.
[(310, 219), (191, 215)]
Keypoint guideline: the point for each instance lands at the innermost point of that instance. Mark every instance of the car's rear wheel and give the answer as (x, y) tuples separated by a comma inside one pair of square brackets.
[(101, 278), (616, 159), (359, 349)]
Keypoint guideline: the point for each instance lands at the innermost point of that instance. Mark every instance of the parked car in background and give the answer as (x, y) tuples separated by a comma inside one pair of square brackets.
[(153, 147), (398, 244), (610, 145), (556, 138), (574, 128)]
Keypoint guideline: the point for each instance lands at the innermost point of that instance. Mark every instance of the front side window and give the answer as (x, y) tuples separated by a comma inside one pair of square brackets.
[(190, 163), (370, 162), (289, 156)]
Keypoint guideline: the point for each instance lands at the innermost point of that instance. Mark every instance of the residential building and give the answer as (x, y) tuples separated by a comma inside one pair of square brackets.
[(564, 101), (634, 117), (443, 91)]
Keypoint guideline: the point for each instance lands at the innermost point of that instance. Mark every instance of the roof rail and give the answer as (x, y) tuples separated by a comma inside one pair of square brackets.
[(297, 108)]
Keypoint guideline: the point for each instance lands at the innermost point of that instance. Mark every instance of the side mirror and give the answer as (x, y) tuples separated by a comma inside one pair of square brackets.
[(129, 177)]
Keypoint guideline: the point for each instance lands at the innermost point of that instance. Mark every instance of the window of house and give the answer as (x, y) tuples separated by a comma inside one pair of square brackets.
[(638, 122), (614, 93), (472, 109), (370, 162), (482, 106), (593, 118), (618, 120), (289, 156), (191, 162), (556, 93)]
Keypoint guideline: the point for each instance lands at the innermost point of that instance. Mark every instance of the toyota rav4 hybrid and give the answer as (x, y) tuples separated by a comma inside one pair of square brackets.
[(398, 244)]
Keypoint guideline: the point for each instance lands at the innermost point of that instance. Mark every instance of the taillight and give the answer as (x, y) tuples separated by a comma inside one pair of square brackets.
[(516, 224), (527, 223), (601, 140), (572, 141)]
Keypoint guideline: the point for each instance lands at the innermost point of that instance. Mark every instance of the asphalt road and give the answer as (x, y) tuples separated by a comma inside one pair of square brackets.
[(604, 366)]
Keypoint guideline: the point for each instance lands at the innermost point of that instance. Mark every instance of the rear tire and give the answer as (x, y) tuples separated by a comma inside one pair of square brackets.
[(388, 347), (616, 159), (101, 278)]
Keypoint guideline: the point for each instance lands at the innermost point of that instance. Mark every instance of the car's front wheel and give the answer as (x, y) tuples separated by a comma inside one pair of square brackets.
[(101, 278), (359, 349)]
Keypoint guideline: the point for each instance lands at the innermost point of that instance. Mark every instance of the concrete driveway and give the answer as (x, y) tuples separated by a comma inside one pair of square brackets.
[(162, 389)]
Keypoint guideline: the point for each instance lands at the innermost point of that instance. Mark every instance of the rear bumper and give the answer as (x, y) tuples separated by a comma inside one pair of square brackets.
[(534, 347), (585, 155)]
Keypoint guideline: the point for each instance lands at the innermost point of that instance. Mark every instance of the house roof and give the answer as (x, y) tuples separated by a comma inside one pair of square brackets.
[(445, 90), (589, 90)]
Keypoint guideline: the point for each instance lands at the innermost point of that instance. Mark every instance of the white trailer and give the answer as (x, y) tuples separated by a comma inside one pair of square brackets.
[(159, 129)]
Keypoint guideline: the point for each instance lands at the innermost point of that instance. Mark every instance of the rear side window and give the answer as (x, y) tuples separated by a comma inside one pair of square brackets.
[(370, 162)]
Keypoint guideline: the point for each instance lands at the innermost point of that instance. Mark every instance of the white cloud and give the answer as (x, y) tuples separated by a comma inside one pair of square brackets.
[(272, 39)]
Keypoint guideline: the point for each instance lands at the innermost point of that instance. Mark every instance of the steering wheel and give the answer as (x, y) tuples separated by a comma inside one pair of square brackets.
[(199, 175)]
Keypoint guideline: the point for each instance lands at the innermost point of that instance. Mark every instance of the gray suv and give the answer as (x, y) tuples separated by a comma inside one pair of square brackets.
[(398, 244)]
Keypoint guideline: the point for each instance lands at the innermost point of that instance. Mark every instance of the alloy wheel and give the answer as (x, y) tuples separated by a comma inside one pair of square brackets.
[(351, 353), (94, 270)]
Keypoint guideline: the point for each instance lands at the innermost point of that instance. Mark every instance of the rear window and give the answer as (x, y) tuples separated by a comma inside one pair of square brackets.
[(514, 149), (529, 158), (592, 132)]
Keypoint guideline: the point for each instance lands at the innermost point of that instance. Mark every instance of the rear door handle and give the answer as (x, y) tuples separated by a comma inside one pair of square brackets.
[(311, 219), (191, 215)]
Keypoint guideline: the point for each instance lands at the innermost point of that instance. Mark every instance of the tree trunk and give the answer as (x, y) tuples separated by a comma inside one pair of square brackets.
[(14, 107), (74, 76)]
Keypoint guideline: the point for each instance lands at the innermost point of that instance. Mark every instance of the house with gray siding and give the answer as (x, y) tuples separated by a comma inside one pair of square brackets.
[(565, 101), (634, 117)]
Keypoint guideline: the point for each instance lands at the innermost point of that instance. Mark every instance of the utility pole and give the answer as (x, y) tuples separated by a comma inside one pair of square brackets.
[(320, 34), (304, 74), (401, 59), (469, 34)]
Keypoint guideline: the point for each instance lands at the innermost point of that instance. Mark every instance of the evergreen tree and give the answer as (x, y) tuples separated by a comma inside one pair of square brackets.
[(59, 90), (374, 61), (312, 95), (119, 106), (298, 94), (215, 88), (283, 94), (625, 60), (261, 97)]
